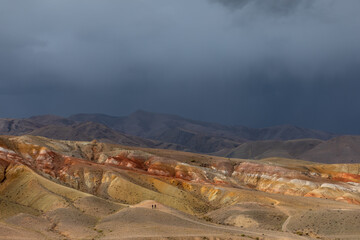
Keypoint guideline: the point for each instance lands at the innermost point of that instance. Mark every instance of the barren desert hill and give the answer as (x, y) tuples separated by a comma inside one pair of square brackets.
[(93, 128), (77, 189), (154, 125), (145, 129), (272, 148), (181, 133), (17, 126), (64, 129), (342, 149), (88, 131)]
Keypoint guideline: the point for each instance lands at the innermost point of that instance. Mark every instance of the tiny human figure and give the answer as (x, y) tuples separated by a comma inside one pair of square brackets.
[(155, 206), (152, 206)]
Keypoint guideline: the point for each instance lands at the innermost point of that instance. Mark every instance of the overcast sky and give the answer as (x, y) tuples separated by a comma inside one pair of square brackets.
[(243, 62)]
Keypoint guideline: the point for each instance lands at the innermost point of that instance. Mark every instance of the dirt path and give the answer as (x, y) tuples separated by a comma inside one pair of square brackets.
[(227, 229), (284, 226), (287, 212)]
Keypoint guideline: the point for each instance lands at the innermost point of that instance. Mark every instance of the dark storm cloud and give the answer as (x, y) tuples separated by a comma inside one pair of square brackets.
[(260, 63), (270, 6)]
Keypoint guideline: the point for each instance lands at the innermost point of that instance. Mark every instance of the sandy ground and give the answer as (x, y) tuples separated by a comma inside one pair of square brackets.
[(139, 221), (66, 213), (90, 217), (143, 221)]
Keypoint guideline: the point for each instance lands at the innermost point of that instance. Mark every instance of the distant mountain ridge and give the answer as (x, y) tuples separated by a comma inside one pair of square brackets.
[(190, 134), (196, 136), (154, 130), (155, 125)]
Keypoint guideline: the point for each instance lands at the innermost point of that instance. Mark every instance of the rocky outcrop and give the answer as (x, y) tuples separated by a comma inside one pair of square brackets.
[(276, 179)]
